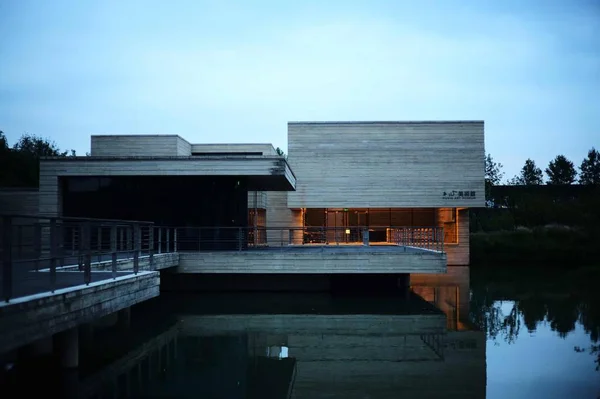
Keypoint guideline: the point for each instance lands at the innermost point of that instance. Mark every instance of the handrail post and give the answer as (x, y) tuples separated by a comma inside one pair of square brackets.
[(37, 244), (53, 245), (122, 236), (61, 243), (99, 244), (239, 238), (129, 238), (87, 249), (168, 240), (7, 261), (174, 239), (113, 250), (366, 237), (151, 245), (137, 241), (291, 236), (72, 241), (159, 239), (19, 241)]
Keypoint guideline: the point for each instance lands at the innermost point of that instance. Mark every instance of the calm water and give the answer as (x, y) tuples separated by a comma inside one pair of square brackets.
[(459, 335)]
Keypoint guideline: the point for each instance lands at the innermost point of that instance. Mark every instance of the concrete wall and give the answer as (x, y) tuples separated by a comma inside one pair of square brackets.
[(164, 145), (266, 149), (458, 254), (386, 164), (280, 216), (22, 201), (261, 199), (329, 261), (160, 261), (139, 145), (27, 319)]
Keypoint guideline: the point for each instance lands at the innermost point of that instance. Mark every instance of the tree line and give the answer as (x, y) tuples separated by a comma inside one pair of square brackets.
[(560, 171), (20, 164)]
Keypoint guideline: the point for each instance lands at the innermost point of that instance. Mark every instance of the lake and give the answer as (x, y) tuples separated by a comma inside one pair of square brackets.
[(469, 333)]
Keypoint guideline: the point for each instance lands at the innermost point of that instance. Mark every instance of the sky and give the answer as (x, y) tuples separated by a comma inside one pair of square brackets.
[(227, 72)]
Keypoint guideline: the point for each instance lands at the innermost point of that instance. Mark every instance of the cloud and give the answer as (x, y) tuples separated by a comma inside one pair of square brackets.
[(239, 74)]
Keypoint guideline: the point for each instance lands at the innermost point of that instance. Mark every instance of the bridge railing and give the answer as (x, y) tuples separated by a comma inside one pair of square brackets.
[(45, 253), (430, 238), (191, 238)]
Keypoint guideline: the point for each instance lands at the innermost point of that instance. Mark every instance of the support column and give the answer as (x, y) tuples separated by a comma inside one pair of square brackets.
[(67, 347), (404, 285)]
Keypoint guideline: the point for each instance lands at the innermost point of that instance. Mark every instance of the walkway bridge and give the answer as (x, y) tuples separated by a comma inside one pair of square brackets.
[(59, 272)]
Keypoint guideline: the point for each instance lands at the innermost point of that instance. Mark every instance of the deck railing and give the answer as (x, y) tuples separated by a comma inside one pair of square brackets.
[(430, 238), (239, 238), (44, 253)]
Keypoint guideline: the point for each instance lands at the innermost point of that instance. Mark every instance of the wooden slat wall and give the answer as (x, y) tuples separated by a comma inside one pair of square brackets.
[(50, 193), (139, 145), (19, 201), (386, 164), (261, 199), (458, 254), (279, 215), (266, 149), (183, 147)]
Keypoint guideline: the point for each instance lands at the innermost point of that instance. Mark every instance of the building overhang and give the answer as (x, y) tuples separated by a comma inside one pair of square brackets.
[(263, 173)]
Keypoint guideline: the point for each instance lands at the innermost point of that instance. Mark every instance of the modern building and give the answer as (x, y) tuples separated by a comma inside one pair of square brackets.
[(350, 197)]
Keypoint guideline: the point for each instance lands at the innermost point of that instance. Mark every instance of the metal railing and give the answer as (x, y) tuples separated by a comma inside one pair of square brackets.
[(430, 238), (241, 238), (41, 254)]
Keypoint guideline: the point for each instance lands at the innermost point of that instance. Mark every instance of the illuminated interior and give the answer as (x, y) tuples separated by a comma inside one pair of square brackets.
[(347, 224)]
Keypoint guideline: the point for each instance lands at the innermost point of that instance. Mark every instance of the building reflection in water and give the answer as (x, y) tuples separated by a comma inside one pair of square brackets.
[(297, 346)]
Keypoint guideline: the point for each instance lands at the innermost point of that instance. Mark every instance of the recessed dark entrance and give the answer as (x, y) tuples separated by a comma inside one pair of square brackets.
[(176, 201)]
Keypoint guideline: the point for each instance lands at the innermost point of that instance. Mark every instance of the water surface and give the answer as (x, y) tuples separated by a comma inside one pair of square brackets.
[(468, 333)]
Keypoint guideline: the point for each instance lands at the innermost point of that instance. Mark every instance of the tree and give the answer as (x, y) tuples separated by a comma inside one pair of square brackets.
[(38, 147), (493, 175), (561, 171), (530, 175), (590, 168), (20, 165), (3, 142)]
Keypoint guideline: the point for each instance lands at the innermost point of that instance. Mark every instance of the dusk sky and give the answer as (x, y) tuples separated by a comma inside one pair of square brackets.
[(219, 71)]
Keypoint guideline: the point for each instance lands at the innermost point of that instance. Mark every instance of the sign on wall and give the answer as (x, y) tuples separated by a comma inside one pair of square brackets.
[(459, 194)]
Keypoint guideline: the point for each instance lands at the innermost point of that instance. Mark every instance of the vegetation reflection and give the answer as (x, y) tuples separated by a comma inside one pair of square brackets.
[(546, 296)]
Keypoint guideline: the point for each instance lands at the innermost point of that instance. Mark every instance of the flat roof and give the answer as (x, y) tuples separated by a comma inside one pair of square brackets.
[(382, 122), (264, 172)]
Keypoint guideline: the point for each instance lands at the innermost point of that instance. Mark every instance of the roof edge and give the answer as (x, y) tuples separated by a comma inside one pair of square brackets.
[(383, 122)]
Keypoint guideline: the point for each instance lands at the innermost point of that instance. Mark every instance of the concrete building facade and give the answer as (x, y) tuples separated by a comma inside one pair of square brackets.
[(342, 184)]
